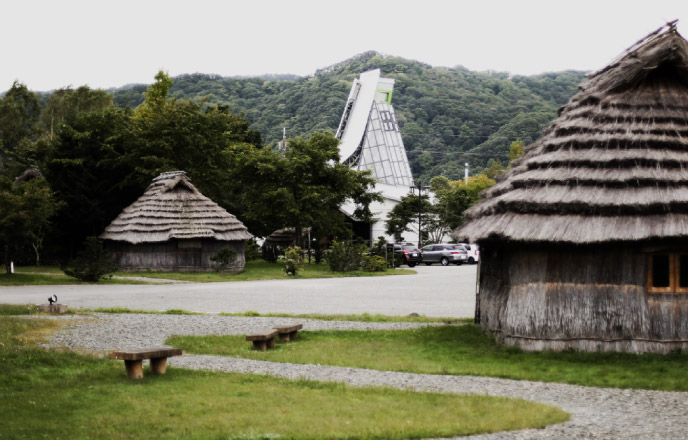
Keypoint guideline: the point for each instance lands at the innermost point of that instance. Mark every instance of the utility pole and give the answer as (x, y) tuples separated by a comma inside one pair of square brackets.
[(283, 148), (419, 185)]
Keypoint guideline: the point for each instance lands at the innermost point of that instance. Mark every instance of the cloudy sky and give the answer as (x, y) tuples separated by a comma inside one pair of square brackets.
[(104, 43)]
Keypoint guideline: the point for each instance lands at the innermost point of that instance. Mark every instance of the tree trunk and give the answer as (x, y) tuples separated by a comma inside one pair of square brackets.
[(36, 246), (8, 265)]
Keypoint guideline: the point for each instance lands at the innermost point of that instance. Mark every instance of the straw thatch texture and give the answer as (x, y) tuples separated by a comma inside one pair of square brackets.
[(612, 167), (173, 227), (171, 208), (568, 236)]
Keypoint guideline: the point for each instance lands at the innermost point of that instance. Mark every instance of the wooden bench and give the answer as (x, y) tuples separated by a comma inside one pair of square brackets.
[(263, 341), (288, 333), (133, 360)]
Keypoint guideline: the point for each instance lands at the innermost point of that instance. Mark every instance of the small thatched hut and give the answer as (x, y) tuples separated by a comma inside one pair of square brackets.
[(174, 227), (584, 242)]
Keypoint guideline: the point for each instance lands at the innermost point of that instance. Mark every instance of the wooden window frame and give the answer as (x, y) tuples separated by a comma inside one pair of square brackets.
[(674, 273)]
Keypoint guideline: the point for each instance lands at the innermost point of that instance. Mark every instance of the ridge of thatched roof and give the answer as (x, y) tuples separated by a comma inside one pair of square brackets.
[(28, 175), (612, 167), (285, 236), (172, 207)]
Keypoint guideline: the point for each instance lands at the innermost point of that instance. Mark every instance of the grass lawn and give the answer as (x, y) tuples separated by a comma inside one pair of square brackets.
[(463, 350), (55, 394), (254, 270), (262, 270), (49, 276), (364, 317)]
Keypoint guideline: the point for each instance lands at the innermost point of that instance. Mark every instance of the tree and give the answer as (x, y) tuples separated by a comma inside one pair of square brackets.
[(494, 168), (305, 188), (63, 105), (516, 150), (314, 185), (25, 213), (404, 217), (40, 206), (92, 263), (19, 113), (157, 93), (453, 201)]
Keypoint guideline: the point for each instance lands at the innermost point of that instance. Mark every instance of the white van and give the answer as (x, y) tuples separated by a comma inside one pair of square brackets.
[(473, 252)]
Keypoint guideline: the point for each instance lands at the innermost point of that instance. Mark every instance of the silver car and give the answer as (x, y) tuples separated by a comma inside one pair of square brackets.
[(444, 254)]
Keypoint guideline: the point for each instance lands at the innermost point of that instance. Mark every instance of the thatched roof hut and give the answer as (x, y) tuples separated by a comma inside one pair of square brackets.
[(172, 226), (584, 242)]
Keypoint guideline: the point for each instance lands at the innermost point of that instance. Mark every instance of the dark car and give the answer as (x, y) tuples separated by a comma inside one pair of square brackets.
[(407, 253), (444, 254)]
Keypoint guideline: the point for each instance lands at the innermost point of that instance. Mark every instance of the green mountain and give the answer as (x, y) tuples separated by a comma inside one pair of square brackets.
[(448, 116)]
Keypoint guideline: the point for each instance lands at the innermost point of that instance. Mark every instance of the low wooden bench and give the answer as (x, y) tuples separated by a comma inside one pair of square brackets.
[(263, 341), (133, 360), (288, 333)]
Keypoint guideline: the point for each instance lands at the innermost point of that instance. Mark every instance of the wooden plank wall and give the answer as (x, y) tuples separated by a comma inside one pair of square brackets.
[(173, 255), (591, 298)]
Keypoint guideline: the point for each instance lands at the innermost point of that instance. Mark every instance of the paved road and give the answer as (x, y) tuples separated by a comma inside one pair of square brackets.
[(433, 291)]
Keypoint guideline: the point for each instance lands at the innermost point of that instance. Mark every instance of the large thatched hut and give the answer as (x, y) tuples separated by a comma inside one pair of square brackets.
[(584, 242), (174, 227)]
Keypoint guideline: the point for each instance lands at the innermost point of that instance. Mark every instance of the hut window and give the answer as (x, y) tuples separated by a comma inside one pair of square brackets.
[(668, 273)]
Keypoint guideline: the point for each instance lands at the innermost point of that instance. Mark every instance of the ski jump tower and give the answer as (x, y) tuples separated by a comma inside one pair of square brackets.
[(370, 139)]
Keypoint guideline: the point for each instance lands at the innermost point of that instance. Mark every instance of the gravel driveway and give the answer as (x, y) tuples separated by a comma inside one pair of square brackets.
[(596, 412)]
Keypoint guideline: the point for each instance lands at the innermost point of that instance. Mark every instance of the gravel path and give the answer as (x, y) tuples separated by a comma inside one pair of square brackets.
[(596, 412)]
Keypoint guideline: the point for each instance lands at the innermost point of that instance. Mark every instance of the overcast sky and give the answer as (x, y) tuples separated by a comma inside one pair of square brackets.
[(103, 43)]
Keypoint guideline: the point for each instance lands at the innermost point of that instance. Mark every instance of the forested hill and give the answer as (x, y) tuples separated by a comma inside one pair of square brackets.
[(448, 116)]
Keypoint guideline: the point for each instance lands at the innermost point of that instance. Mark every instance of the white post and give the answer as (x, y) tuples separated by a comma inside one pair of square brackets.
[(465, 175), (11, 266)]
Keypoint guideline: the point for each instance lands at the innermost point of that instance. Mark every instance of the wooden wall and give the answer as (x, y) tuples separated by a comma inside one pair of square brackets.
[(173, 255), (590, 299)]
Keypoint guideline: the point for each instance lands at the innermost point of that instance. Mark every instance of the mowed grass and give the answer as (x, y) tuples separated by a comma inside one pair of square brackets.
[(254, 270), (461, 350), (363, 317), (56, 394), (48, 276), (262, 270)]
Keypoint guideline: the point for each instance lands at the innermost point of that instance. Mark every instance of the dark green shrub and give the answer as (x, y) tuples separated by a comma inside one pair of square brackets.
[(345, 256), (293, 259), (92, 263), (374, 263), (224, 259)]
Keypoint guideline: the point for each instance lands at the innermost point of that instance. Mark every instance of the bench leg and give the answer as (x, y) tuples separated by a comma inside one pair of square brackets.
[(158, 365), (271, 343), (284, 337), (134, 369), (292, 335), (260, 345)]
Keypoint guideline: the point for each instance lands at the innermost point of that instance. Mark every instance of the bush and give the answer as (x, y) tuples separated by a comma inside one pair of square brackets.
[(91, 264), (345, 256), (293, 259), (374, 263), (223, 259), (253, 251)]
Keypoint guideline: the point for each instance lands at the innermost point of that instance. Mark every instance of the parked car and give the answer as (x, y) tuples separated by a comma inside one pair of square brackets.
[(473, 252), (444, 254), (407, 253)]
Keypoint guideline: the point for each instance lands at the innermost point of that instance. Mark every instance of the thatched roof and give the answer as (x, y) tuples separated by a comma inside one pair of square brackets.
[(170, 208), (285, 237), (28, 175), (612, 167)]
